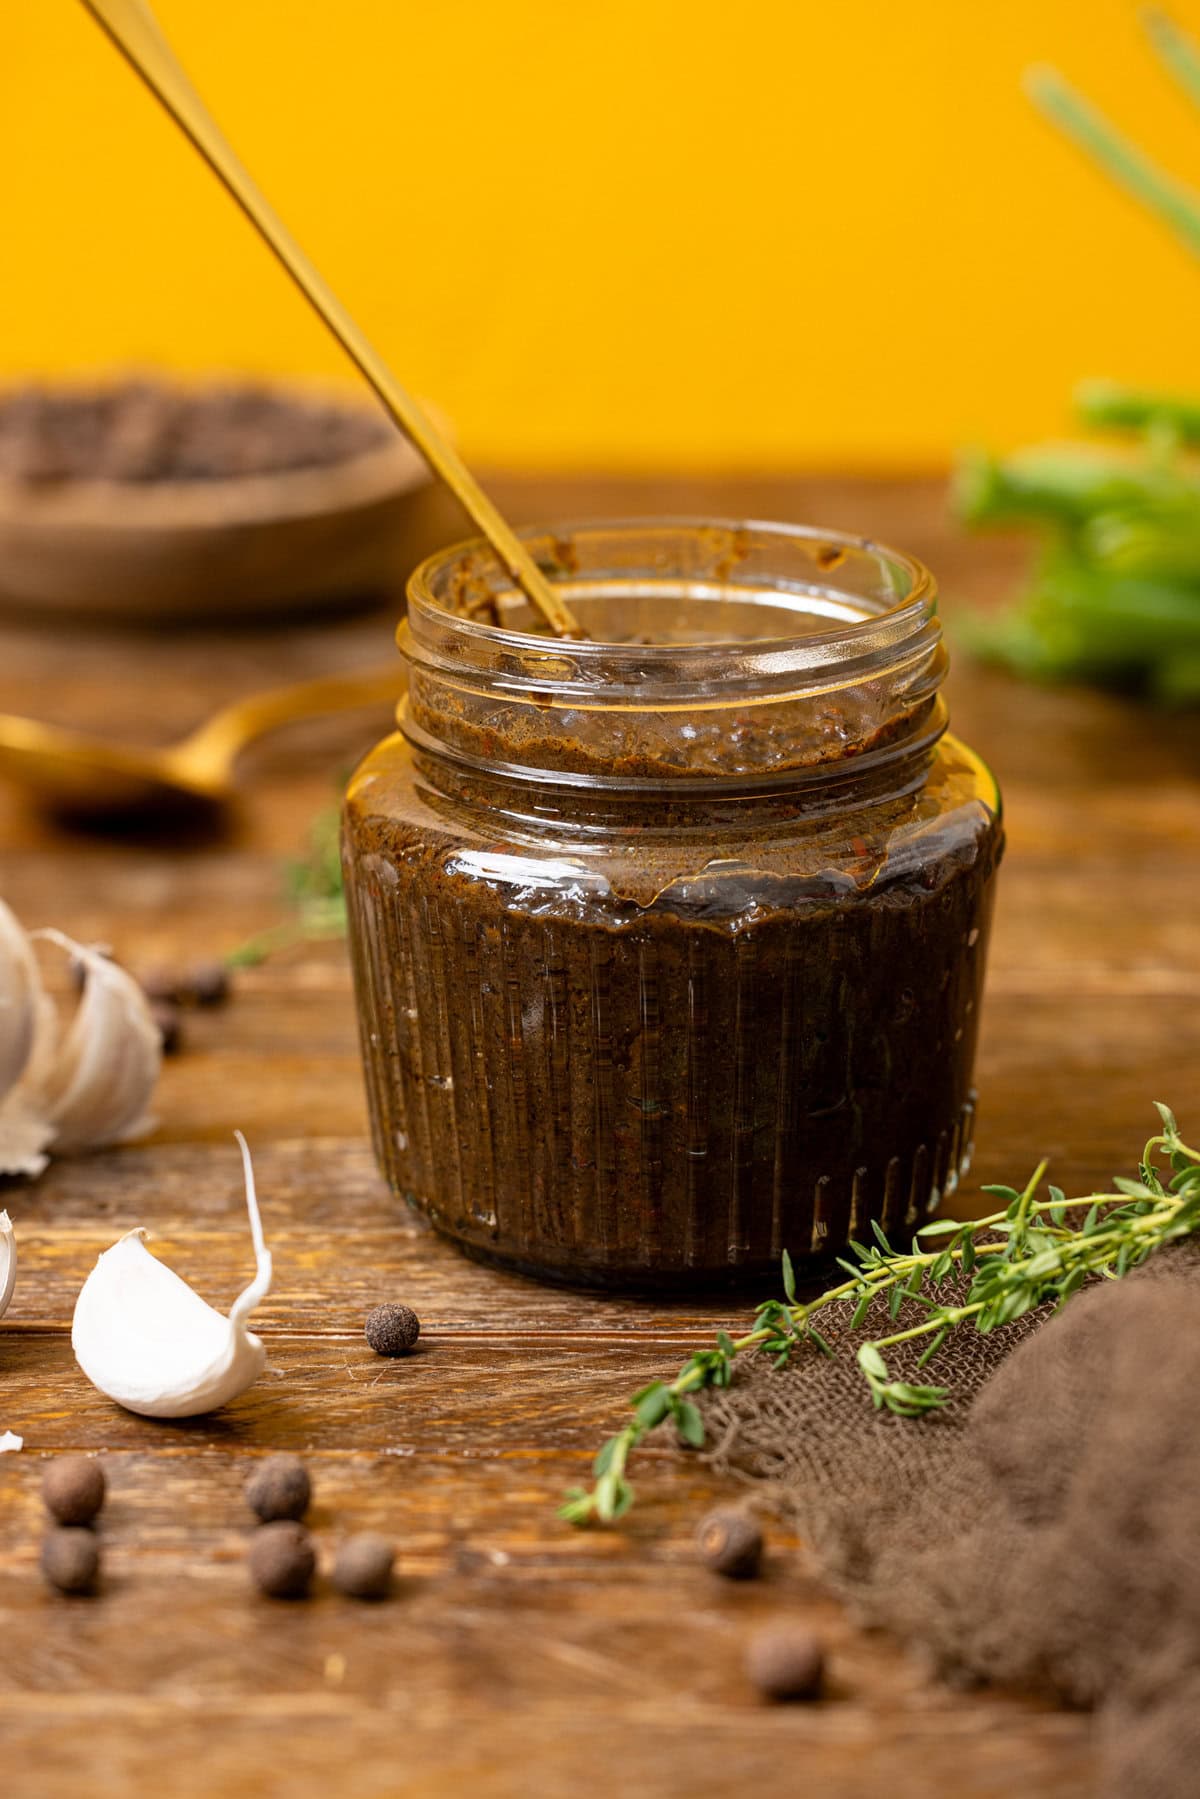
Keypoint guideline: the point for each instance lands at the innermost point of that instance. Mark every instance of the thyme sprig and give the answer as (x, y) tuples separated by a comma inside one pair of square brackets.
[(315, 894), (1032, 1252)]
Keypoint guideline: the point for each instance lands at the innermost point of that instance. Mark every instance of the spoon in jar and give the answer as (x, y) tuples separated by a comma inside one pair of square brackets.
[(136, 33), (78, 774)]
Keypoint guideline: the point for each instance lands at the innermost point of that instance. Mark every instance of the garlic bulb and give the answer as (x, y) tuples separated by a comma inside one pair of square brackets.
[(94, 1086), (148, 1340), (82, 1089), (8, 1280), (19, 991), (8, 1262), (24, 1134)]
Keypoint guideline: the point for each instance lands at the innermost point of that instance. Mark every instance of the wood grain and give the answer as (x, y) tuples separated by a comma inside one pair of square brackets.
[(519, 1657)]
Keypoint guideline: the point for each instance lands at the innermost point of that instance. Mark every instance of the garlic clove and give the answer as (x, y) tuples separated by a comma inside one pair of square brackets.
[(20, 990), (8, 1278), (81, 1090), (93, 1087), (8, 1261), (25, 1011), (24, 1137), (147, 1339)]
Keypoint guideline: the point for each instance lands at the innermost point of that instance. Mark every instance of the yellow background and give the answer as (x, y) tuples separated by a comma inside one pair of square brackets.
[(615, 233)]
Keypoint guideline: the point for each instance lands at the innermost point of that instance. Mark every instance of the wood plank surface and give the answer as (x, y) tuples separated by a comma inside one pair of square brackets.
[(519, 1657)]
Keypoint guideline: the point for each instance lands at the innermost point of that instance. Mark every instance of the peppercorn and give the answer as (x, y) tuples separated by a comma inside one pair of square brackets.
[(170, 1025), (71, 1558), (362, 1568), (282, 1560), (392, 1329), (207, 983), (279, 1489), (73, 1488), (786, 1661), (731, 1543), (163, 985)]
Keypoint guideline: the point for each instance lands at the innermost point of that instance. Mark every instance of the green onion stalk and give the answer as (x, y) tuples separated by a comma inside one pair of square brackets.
[(1114, 594)]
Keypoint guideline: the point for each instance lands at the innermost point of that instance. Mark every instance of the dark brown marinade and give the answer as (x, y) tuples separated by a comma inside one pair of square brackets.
[(670, 1076)]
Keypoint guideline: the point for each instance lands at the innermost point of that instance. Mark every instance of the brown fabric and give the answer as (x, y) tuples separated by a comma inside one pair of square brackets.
[(1042, 1531)]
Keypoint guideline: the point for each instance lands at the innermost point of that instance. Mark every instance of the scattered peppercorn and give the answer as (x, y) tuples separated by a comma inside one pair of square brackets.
[(392, 1329), (162, 985), (71, 1558), (170, 1025), (786, 1661), (207, 984), (731, 1543), (203, 984), (73, 1488), (282, 1560), (279, 1489), (362, 1568)]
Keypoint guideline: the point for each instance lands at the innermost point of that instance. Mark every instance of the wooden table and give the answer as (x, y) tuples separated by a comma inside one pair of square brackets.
[(520, 1657)]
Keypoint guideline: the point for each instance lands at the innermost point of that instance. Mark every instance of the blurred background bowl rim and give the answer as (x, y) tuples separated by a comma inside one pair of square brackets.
[(109, 504)]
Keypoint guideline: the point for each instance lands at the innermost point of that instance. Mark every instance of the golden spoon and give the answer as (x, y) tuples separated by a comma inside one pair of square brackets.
[(75, 772), (136, 33)]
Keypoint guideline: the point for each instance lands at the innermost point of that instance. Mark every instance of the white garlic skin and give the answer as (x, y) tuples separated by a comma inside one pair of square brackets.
[(20, 988), (79, 1089), (148, 1341), (25, 1014), (98, 1083), (8, 1280), (8, 1261)]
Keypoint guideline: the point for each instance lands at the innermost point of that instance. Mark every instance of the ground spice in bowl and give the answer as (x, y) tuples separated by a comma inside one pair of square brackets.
[(150, 500), (140, 431)]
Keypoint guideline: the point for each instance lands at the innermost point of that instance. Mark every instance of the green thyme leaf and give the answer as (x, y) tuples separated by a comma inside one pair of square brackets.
[(1029, 1254)]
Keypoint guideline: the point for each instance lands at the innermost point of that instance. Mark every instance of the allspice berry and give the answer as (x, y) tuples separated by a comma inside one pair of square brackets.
[(161, 985), (392, 1330), (207, 984), (282, 1560), (731, 1543), (167, 1017), (203, 984), (362, 1568), (279, 1489), (73, 1488), (786, 1661), (71, 1558)]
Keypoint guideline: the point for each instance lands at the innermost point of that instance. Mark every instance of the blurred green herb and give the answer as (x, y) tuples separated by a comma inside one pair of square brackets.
[(314, 891), (1115, 591), (1032, 1252)]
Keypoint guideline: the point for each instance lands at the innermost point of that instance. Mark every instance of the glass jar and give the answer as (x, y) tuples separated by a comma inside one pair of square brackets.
[(669, 943)]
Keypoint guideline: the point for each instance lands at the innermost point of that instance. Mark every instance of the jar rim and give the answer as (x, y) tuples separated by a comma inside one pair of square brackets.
[(690, 701), (880, 626)]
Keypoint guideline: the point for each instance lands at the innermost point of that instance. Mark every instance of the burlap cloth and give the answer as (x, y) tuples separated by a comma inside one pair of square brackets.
[(1043, 1531)]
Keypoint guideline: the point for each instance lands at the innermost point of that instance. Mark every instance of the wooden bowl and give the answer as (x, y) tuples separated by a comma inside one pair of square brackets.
[(187, 551)]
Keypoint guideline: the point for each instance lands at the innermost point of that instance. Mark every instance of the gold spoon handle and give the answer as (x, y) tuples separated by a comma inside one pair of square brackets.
[(217, 742), (135, 31)]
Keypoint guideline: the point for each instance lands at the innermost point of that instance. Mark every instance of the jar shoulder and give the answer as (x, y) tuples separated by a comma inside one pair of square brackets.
[(394, 815)]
